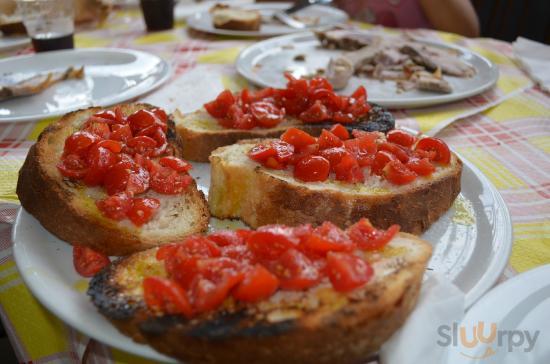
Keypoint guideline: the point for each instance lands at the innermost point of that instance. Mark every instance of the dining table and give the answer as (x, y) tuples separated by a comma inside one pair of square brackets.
[(504, 132)]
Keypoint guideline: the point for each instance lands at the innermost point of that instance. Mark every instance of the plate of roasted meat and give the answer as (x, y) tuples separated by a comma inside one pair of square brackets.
[(399, 70)]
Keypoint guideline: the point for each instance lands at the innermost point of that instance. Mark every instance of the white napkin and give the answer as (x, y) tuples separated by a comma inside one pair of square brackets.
[(440, 303), (534, 57)]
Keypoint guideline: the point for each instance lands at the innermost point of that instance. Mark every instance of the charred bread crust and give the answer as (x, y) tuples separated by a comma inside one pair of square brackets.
[(50, 199), (199, 144), (346, 333), (277, 201)]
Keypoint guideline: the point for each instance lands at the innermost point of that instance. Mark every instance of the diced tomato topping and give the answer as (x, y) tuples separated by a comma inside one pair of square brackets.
[(340, 131), (368, 237), (79, 142), (142, 210), (251, 265), (270, 241), (329, 140), (258, 284), (296, 271), (348, 170), (101, 130), (422, 167), (106, 114), (73, 166), (328, 237), (141, 119), (396, 150), (312, 169), (298, 138), (360, 92), (177, 164), (347, 271), (397, 173), (315, 113), (115, 207), (381, 158), (160, 114), (113, 145), (220, 106), (401, 137), (442, 151), (87, 262), (166, 295), (169, 182), (99, 160), (262, 152), (122, 133), (266, 114), (334, 155)]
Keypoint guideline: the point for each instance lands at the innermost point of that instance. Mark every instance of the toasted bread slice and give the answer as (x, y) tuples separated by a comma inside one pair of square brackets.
[(227, 17), (201, 133), (67, 209), (319, 325), (241, 188)]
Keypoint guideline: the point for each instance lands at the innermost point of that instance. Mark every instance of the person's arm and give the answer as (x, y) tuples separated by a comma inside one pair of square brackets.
[(456, 16)]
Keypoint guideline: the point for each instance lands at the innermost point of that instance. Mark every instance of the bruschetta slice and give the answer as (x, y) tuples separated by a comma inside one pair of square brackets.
[(308, 105), (295, 295), (109, 180), (271, 181)]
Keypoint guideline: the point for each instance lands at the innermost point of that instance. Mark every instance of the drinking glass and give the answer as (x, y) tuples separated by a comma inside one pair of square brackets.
[(49, 23), (158, 14)]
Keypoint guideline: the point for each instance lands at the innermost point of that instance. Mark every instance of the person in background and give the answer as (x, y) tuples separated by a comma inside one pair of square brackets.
[(455, 16)]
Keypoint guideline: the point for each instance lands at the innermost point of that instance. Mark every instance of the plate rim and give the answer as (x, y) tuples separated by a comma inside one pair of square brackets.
[(117, 99), (430, 100), (488, 278), (192, 21)]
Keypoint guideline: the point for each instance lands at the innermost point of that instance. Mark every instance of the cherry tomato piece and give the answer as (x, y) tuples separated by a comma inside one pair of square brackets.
[(329, 140), (166, 295), (442, 151), (315, 113), (340, 131), (296, 271), (262, 152), (298, 138), (312, 169), (115, 207), (79, 142), (258, 284), (422, 167), (397, 173), (266, 114), (348, 170), (175, 163), (141, 119), (347, 271), (401, 137), (220, 106), (381, 158), (142, 210), (368, 237), (87, 262)]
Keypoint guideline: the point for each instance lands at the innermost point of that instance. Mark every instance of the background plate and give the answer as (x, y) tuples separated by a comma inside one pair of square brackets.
[(327, 16), (264, 64), (13, 41), (521, 303), (472, 243), (112, 76)]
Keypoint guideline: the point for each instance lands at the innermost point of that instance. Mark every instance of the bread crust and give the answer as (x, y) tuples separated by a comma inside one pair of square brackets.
[(345, 333), (272, 200), (235, 24), (50, 199)]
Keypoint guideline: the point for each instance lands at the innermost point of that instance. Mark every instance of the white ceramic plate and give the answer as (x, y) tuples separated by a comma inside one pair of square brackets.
[(327, 16), (111, 76), (521, 304), (13, 41), (264, 64), (472, 251)]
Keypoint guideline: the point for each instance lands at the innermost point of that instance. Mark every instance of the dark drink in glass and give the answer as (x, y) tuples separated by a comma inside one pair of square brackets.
[(158, 14), (52, 42)]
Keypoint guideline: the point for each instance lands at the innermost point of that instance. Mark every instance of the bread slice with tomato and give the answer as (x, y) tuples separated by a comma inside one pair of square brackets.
[(267, 113), (68, 207), (318, 324), (268, 192)]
